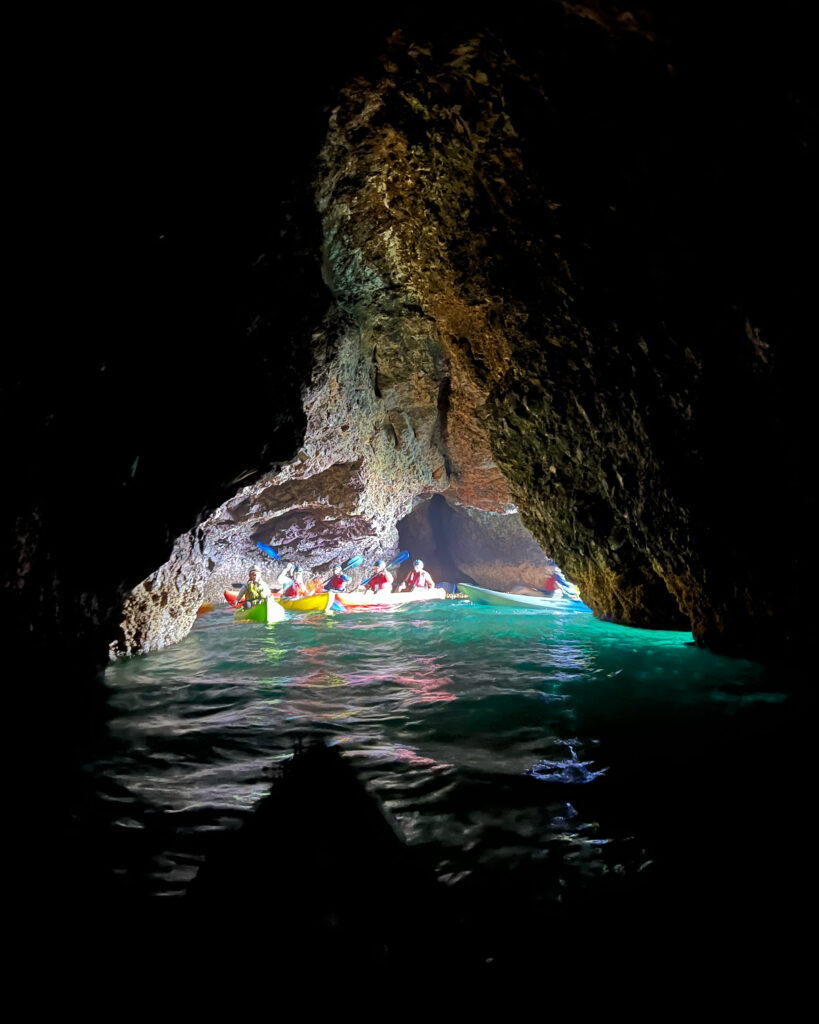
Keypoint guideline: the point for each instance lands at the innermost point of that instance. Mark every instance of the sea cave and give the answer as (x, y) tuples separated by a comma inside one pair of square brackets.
[(452, 285)]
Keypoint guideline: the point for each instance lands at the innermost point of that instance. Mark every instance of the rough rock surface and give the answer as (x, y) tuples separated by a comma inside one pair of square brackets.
[(567, 276), (628, 388), (512, 328), (371, 447)]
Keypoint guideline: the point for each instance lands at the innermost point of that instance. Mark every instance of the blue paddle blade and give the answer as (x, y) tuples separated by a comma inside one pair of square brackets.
[(402, 556), (354, 561), (267, 549)]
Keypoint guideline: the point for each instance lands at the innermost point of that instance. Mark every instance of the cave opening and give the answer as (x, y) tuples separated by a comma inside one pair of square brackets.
[(272, 524), (463, 544), (427, 533)]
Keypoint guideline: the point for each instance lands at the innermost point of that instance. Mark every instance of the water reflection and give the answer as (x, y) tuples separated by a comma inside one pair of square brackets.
[(570, 770), (491, 738)]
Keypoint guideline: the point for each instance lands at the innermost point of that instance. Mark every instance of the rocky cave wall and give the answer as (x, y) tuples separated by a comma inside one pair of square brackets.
[(585, 240), (575, 220), (565, 275)]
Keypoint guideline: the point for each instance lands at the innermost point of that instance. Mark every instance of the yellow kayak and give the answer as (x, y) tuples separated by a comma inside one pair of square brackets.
[(311, 603)]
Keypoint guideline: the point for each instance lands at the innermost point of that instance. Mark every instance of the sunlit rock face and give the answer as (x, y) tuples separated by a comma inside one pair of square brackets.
[(375, 443)]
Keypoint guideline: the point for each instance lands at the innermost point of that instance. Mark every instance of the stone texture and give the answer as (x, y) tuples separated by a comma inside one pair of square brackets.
[(625, 390)]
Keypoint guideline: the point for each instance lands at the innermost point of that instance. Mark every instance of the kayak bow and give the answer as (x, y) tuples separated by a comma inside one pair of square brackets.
[(264, 611)]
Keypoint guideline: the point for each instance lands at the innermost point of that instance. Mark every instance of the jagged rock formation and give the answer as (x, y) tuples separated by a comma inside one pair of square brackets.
[(565, 277), (621, 393), (370, 449)]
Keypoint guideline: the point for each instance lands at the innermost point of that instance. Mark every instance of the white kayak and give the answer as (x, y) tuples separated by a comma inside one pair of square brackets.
[(385, 599), (502, 600)]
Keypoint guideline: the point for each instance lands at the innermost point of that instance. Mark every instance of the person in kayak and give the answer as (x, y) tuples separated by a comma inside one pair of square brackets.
[(549, 587), (418, 577), (339, 579), (297, 587), (383, 578), (254, 591), (285, 577)]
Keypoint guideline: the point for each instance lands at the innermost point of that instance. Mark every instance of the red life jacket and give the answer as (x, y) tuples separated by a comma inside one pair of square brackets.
[(549, 585), (295, 590), (377, 582), (418, 578)]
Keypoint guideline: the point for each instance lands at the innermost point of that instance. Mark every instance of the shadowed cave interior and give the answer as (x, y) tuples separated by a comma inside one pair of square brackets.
[(452, 286)]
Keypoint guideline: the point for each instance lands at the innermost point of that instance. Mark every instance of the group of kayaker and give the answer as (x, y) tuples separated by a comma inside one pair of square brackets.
[(290, 582), (383, 579)]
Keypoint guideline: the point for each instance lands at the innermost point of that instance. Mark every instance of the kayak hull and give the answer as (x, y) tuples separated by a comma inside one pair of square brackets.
[(265, 611), (498, 599), (370, 599), (311, 603)]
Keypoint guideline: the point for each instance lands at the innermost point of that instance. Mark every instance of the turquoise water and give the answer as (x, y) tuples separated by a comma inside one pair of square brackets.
[(546, 757)]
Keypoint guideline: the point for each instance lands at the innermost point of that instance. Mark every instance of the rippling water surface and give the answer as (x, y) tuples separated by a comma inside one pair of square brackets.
[(576, 757)]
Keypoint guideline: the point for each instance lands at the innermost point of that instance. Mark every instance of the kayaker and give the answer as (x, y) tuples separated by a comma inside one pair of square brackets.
[(339, 579), (418, 577), (383, 578), (297, 587), (254, 591), (549, 587), (285, 577)]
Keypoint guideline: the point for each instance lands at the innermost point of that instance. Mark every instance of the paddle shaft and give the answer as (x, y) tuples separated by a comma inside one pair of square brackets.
[(399, 558), (353, 562)]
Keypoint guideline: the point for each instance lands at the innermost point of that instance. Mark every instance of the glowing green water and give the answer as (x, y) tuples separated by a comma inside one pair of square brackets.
[(583, 757)]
